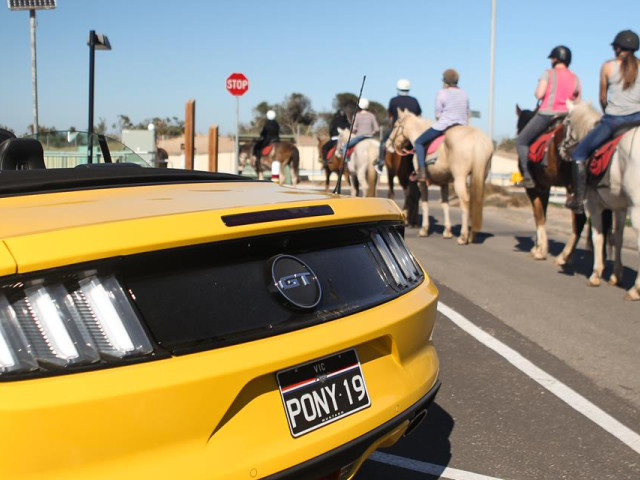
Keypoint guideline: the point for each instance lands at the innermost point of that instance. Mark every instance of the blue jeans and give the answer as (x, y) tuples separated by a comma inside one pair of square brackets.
[(382, 147), (353, 142), (422, 144), (602, 132)]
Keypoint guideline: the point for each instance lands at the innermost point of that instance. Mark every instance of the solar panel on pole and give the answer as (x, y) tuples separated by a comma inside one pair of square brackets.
[(31, 4)]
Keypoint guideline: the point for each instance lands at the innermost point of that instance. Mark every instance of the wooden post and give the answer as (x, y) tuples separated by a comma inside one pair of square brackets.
[(189, 134), (213, 148)]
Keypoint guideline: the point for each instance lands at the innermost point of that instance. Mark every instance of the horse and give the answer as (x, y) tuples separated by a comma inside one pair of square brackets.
[(557, 173), (465, 151), (334, 164), (402, 167), (284, 152), (361, 164), (621, 193)]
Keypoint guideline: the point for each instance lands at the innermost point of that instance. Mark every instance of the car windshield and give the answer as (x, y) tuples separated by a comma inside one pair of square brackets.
[(67, 149)]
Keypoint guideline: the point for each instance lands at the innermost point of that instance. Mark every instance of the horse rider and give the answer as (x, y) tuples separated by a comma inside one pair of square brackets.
[(452, 108), (556, 85), (270, 133), (365, 125), (401, 101), (341, 121), (620, 101)]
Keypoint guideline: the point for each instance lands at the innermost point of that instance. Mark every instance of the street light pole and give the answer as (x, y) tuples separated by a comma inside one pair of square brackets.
[(492, 67), (96, 41), (92, 56), (34, 72)]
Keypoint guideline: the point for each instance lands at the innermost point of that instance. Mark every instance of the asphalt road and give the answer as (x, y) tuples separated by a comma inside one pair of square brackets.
[(491, 419)]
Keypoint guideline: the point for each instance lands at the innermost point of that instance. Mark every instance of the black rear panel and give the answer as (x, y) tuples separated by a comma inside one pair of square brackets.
[(219, 294)]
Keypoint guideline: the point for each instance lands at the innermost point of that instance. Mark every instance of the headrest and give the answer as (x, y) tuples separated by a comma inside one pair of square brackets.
[(21, 154), (5, 135)]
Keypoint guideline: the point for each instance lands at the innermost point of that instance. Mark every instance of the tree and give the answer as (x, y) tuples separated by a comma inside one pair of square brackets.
[(347, 102), (101, 127), (295, 111)]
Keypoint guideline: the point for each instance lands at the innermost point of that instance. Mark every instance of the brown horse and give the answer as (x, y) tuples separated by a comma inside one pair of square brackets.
[(284, 152), (556, 173), (402, 167), (334, 164)]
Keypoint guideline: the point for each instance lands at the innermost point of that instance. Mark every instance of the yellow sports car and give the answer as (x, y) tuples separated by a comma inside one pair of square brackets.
[(161, 323)]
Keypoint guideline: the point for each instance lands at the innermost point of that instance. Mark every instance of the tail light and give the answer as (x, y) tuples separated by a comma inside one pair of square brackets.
[(55, 326)]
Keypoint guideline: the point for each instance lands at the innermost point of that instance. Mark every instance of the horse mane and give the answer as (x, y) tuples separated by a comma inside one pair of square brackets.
[(583, 118)]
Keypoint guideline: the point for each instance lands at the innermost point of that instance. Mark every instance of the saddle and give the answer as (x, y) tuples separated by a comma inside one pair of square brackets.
[(350, 151), (540, 146), (600, 160), (330, 153), (433, 146), (267, 150)]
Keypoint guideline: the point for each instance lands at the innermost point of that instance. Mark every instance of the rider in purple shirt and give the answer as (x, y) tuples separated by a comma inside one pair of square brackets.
[(452, 108)]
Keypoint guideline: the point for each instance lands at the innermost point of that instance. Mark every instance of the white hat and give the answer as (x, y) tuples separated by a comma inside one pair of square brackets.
[(271, 115), (403, 84), (363, 103)]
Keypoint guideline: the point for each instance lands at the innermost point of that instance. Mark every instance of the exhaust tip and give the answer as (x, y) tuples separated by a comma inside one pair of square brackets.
[(415, 422)]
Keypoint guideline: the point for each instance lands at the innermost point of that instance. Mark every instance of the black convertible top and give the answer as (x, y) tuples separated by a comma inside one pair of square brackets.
[(94, 176)]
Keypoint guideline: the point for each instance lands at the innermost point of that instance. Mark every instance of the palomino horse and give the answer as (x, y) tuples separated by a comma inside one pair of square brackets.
[(284, 152), (557, 173), (465, 151), (334, 164), (361, 164), (622, 191)]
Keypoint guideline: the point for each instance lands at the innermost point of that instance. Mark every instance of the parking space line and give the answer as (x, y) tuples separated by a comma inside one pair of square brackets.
[(559, 389), (429, 468)]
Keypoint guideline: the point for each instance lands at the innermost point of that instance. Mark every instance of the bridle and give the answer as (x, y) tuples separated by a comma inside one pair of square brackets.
[(399, 130), (568, 142)]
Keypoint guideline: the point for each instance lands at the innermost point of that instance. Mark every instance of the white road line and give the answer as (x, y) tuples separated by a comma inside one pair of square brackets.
[(429, 468), (559, 389)]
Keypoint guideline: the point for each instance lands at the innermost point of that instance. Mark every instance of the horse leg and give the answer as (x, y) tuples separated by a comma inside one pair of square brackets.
[(577, 225), (618, 227), (595, 214), (460, 187), (444, 203), (390, 176), (363, 181), (327, 173), (424, 203), (634, 292), (542, 242)]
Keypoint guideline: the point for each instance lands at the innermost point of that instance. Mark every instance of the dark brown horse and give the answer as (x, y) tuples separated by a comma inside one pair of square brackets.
[(334, 164), (401, 166), (556, 173)]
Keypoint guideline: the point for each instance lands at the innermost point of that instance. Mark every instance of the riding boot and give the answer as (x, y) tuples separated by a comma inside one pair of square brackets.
[(527, 181), (422, 174), (579, 174)]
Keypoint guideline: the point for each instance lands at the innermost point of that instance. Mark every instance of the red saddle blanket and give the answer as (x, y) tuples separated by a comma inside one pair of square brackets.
[(539, 147), (350, 151), (600, 160), (433, 146), (267, 150), (330, 153)]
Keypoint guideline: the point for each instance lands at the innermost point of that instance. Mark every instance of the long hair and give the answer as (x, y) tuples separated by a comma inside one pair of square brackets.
[(628, 68)]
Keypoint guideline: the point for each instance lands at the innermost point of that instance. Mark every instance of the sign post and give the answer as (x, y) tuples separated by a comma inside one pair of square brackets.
[(237, 85)]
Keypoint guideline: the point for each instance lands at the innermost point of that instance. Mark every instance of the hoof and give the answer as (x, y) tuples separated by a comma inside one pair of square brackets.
[(447, 234), (560, 261), (613, 280), (391, 194), (423, 232), (539, 256), (594, 281), (632, 295), (463, 241)]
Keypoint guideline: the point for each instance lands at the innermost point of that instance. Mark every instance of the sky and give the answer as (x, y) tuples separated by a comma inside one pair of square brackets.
[(164, 53)]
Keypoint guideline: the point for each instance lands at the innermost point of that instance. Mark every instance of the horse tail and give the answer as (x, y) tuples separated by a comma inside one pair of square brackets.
[(295, 158), (482, 152)]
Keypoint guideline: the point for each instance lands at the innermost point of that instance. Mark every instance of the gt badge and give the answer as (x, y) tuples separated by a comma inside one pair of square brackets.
[(295, 281)]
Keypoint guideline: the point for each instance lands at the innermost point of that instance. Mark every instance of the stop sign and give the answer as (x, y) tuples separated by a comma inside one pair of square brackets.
[(237, 84)]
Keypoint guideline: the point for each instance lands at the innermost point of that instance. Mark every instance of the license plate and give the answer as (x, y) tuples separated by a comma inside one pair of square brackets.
[(322, 391)]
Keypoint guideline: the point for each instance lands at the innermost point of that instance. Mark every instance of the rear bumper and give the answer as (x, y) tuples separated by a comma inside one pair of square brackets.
[(356, 451)]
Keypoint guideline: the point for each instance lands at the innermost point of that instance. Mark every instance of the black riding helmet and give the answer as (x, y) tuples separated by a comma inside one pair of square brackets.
[(627, 40), (561, 54)]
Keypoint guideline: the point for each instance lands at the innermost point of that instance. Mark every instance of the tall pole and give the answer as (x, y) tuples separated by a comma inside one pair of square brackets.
[(92, 56), (34, 72), (492, 67), (236, 165)]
